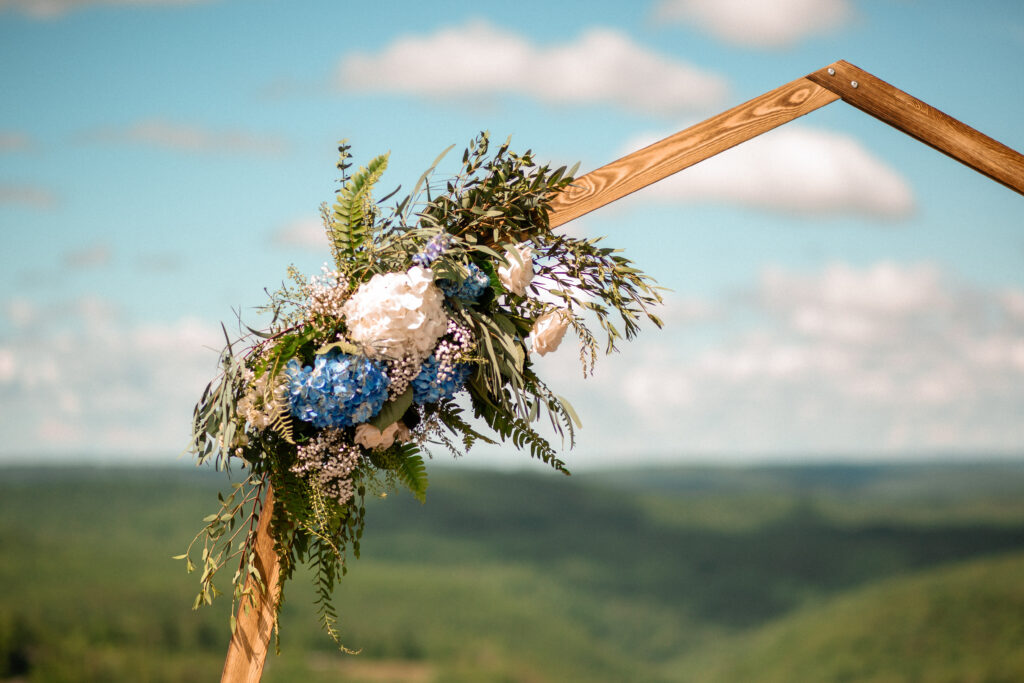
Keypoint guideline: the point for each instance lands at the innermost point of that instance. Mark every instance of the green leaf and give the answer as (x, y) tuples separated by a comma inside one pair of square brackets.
[(426, 174), (342, 345), (392, 411), (487, 250), (569, 409)]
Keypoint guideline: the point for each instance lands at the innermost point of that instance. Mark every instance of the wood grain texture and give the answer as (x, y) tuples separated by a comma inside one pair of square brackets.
[(923, 122), (249, 644), (688, 147)]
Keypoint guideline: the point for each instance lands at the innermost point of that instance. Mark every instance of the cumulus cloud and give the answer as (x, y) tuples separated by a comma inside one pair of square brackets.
[(794, 169), (11, 141), (159, 261), (91, 256), (305, 232), (190, 138), (602, 66), (79, 377), (877, 361), (33, 196), (762, 24), (51, 9)]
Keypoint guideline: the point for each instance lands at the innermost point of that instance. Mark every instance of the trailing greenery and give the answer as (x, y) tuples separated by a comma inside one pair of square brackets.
[(452, 290)]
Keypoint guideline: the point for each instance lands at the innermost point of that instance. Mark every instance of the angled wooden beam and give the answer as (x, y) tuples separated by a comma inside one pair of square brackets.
[(688, 147), (923, 122), (840, 80)]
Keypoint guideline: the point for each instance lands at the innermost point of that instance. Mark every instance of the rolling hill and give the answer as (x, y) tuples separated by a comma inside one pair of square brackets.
[(683, 574)]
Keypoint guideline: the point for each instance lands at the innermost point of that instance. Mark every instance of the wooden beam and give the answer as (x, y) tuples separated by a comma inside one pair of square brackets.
[(688, 147), (925, 123), (255, 624), (251, 640)]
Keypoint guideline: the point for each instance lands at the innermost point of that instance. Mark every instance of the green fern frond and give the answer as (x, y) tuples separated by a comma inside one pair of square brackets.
[(450, 415), (518, 430), (351, 227), (282, 424), (281, 421), (412, 472)]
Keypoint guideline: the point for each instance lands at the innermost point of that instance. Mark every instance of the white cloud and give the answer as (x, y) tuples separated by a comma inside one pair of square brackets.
[(191, 138), (14, 142), (602, 66), (575, 228), (6, 366), (685, 310), (887, 360), (856, 305), (878, 361), (306, 232), (28, 195), (1013, 302), (80, 378), (92, 256), (794, 169), (51, 9), (761, 24)]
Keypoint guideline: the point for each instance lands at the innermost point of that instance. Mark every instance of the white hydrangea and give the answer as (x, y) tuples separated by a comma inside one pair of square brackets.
[(519, 271), (397, 315)]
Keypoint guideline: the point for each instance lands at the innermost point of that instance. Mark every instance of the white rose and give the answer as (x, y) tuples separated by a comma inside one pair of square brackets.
[(548, 330), (519, 272), (396, 315), (370, 437)]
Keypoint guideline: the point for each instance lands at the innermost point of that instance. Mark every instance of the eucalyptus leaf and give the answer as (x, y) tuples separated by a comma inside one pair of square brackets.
[(393, 410)]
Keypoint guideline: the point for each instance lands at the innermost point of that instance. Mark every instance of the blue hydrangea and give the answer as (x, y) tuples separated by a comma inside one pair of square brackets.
[(475, 284), (339, 390), (432, 250), (429, 388)]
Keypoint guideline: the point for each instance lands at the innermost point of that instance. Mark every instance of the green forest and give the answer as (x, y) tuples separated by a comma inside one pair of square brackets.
[(771, 573)]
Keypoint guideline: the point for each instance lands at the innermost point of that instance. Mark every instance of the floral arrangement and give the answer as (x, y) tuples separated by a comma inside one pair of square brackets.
[(431, 314)]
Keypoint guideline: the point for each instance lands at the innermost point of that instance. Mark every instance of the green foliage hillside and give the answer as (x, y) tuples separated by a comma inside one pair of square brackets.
[(964, 623), (651, 576)]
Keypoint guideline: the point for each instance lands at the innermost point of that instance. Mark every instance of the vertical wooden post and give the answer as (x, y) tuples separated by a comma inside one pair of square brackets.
[(254, 625)]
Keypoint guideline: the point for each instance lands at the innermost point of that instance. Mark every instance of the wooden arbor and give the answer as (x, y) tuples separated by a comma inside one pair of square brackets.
[(841, 80)]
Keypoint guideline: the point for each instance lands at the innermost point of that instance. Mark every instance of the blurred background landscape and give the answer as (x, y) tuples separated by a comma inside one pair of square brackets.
[(815, 471), (771, 573)]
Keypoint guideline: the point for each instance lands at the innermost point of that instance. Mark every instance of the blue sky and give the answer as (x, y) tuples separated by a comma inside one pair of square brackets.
[(838, 289)]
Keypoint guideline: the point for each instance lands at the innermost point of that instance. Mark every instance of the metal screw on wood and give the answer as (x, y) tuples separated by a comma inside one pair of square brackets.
[(831, 71), (854, 84)]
